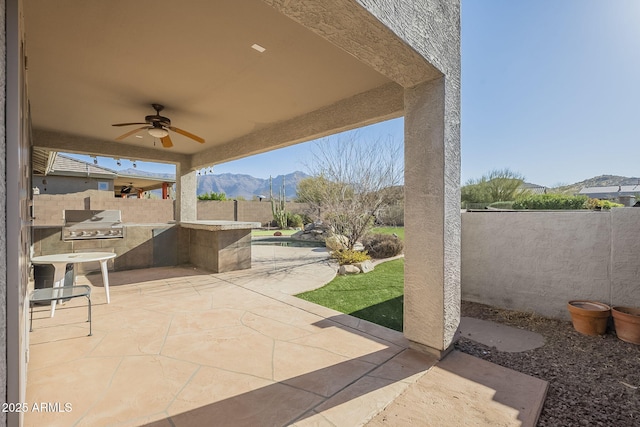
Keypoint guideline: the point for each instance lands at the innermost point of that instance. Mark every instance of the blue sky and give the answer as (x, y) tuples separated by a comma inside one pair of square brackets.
[(550, 89)]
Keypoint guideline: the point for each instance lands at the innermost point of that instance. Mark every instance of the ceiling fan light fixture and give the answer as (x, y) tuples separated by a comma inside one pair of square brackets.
[(158, 132)]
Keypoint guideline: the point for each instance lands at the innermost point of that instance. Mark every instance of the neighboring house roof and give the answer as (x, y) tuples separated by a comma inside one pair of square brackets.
[(610, 192), (52, 163), (67, 166), (145, 183), (534, 188)]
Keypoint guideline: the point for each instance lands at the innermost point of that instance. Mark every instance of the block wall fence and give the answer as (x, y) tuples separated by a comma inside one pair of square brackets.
[(48, 209), (538, 261)]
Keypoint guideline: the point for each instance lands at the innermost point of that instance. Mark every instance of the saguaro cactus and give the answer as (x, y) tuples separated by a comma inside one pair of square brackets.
[(278, 207)]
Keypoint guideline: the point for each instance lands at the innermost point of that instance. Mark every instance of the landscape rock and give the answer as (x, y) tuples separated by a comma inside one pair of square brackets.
[(348, 269), (365, 266), (316, 231)]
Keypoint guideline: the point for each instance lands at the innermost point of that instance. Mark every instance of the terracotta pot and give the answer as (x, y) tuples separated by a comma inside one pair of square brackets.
[(627, 323), (589, 317)]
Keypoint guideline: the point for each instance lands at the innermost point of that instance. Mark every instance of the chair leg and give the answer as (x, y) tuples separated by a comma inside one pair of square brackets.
[(30, 317), (89, 299)]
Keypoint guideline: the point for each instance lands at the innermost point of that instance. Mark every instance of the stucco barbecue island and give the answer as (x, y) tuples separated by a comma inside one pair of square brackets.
[(217, 246)]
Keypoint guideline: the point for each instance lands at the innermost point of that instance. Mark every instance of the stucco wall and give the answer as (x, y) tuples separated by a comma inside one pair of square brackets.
[(51, 184), (432, 168), (3, 223), (541, 260), (48, 209), (249, 211)]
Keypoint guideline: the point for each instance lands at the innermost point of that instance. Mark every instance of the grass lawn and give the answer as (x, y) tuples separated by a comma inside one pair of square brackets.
[(390, 230), (376, 296)]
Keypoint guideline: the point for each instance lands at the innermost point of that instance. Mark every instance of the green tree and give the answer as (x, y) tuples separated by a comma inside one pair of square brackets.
[(499, 185)]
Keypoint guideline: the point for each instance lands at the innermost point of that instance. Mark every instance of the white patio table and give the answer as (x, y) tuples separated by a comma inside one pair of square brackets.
[(60, 261)]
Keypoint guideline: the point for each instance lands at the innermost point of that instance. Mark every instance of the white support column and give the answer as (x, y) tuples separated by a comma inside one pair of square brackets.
[(186, 194), (432, 218)]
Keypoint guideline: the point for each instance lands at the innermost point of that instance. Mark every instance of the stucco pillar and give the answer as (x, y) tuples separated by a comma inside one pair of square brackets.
[(186, 194), (432, 218)]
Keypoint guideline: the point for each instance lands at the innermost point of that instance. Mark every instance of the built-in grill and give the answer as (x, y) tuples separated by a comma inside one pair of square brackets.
[(92, 224)]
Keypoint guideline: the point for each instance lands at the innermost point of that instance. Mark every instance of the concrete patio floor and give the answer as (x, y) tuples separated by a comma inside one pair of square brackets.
[(179, 346)]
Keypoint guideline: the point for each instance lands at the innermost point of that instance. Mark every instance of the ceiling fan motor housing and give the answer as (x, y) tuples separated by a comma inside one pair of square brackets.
[(159, 127), (158, 119)]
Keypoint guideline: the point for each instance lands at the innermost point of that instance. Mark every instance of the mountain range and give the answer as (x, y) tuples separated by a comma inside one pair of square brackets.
[(247, 186)]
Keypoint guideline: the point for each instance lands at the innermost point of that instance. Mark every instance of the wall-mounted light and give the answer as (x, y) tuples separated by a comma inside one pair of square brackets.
[(134, 164), (118, 162), (95, 160)]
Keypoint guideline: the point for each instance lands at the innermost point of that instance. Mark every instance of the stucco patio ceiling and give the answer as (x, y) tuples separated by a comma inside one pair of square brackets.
[(91, 64)]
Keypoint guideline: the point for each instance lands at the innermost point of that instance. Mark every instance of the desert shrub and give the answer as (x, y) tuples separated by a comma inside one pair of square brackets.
[(294, 220), (391, 215), (349, 256), (383, 245), (602, 204), (213, 196), (336, 242), (550, 202), (306, 219)]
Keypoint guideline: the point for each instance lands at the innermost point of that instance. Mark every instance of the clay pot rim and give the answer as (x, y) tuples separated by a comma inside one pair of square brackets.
[(598, 307), (625, 311)]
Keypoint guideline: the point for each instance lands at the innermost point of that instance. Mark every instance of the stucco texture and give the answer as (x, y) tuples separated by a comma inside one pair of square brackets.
[(432, 169), (3, 209), (538, 261)]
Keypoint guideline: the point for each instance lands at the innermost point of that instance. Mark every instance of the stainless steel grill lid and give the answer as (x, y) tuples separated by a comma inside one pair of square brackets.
[(92, 224)]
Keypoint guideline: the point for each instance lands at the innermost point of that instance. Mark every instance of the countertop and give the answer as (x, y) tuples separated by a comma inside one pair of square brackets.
[(219, 225)]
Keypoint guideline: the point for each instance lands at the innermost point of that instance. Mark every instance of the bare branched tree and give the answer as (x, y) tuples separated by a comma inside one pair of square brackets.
[(352, 179)]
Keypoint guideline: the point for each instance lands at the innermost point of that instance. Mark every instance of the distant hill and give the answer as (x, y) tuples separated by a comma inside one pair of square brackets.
[(598, 181), (234, 185), (247, 186)]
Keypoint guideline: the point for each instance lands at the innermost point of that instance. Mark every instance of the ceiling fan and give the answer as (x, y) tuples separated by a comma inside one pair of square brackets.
[(157, 126)]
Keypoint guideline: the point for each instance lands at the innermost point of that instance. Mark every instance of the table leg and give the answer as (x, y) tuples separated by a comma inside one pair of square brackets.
[(105, 278), (58, 280)]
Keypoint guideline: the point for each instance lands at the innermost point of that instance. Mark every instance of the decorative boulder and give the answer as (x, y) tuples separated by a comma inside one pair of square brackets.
[(314, 232), (365, 266), (348, 269)]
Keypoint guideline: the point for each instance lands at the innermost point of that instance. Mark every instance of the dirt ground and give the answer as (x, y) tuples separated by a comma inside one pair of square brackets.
[(593, 381)]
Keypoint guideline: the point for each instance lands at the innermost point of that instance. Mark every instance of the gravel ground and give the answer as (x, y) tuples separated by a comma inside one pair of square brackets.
[(593, 381)]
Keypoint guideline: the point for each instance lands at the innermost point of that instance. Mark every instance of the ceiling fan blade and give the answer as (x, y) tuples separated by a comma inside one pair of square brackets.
[(123, 136), (166, 142), (129, 124), (187, 134)]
